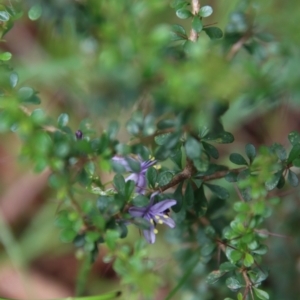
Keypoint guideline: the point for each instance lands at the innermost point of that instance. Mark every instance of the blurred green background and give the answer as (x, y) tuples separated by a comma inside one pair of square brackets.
[(101, 60)]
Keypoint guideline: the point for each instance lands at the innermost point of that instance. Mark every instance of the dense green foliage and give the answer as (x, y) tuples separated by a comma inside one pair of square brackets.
[(158, 82)]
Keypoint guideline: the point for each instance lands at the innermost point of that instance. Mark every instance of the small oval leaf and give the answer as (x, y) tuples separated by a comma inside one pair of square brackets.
[(35, 12)]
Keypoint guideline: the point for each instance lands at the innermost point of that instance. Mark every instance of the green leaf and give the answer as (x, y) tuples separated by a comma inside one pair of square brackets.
[(4, 16), (248, 260), (279, 150), (241, 207), (214, 32), (227, 267), (261, 294), (296, 162), (134, 165), (238, 159), (231, 177), (119, 183), (28, 95), (123, 230), (214, 276), (175, 3), (5, 56), (233, 284), (62, 219), (192, 148), (205, 11), (140, 201), (233, 255), (168, 140), (294, 153), (250, 152), (207, 249), (79, 240), (183, 13), (178, 33), (211, 150), (237, 226), (67, 235), (281, 182), (178, 197), (113, 128), (161, 139), (200, 202), (176, 157), (35, 12), (169, 123), (197, 24), (104, 203), (162, 153), (133, 127), (38, 116), (220, 138), (149, 126), (129, 188), (111, 238), (189, 194), (164, 178), (13, 79), (262, 250), (218, 190), (294, 137), (292, 179), (151, 176), (273, 181), (63, 120), (25, 92)]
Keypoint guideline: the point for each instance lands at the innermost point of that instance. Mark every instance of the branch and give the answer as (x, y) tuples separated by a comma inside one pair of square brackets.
[(47, 128), (190, 170), (187, 172), (219, 174), (195, 10), (238, 45)]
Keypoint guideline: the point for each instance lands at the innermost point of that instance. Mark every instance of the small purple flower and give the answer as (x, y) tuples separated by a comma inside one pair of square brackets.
[(79, 134), (138, 177), (154, 213)]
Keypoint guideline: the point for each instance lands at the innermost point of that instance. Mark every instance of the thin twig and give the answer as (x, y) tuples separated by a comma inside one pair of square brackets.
[(238, 45), (187, 172), (195, 10)]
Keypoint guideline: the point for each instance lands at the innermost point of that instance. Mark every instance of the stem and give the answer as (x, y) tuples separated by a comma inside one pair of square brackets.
[(187, 172), (238, 45), (248, 285), (195, 10), (47, 128), (190, 170), (195, 6)]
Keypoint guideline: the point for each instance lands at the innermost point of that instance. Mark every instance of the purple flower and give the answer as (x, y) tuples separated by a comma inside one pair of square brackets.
[(138, 177), (79, 134), (154, 213)]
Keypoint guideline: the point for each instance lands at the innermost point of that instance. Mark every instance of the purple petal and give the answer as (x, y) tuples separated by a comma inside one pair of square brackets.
[(137, 211), (152, 197), (134, 177), (162, 206), (149, 235), (141, 184), (167, 220), (147, 164)]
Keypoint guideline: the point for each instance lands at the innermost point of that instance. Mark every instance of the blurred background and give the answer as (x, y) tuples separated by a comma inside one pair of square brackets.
[(96, 61)]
